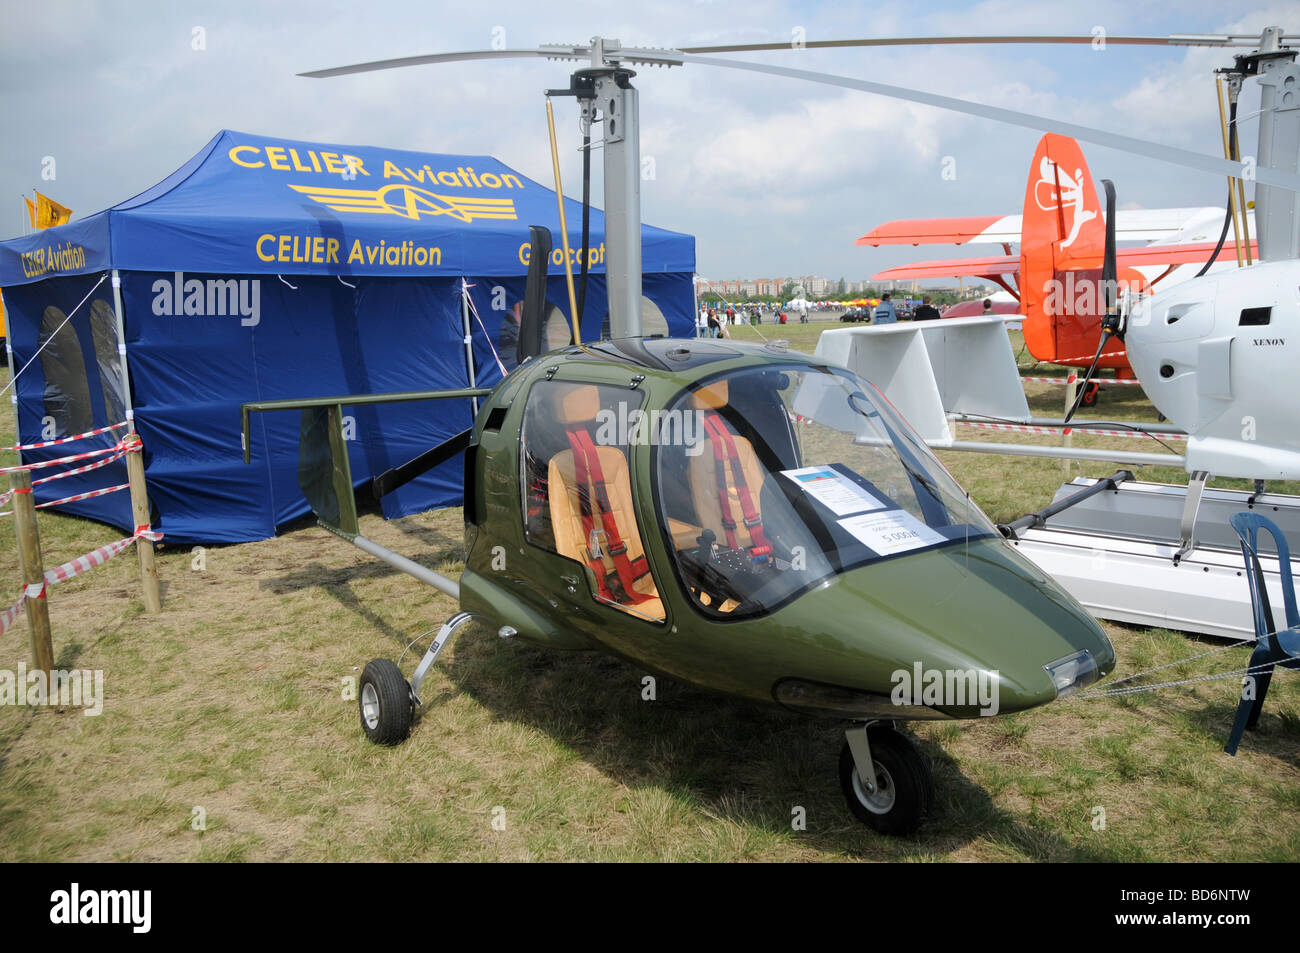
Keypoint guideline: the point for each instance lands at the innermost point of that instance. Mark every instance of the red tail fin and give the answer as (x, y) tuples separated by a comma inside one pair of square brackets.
[(1062, 231)]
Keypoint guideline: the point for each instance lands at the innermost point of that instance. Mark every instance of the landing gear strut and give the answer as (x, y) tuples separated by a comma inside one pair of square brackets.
[(893, 794), (387, 700)]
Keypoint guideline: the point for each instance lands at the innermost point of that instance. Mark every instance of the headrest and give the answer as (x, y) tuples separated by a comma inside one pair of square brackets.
[(580, 405), (712, 397)]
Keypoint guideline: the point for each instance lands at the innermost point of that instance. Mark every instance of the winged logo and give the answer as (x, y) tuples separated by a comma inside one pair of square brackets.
[(409, 201)]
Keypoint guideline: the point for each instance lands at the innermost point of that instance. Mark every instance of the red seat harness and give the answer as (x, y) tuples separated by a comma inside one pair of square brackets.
[(724, 451), (615, 571)]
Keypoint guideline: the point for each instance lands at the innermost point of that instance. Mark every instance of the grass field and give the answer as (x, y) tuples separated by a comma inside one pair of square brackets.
[(228, 709)]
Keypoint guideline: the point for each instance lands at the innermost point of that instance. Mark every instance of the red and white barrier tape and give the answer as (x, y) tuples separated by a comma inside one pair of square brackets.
[(80, 496), (130, 443), (72, 569), (86, 469), (119, 446), (1108, 381), (74, 437), (1058, 431), (82, 564), (8, 494), (1087, 357), (9, 615)]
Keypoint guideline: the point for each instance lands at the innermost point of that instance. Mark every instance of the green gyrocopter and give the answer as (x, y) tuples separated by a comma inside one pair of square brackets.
[(744, 518)]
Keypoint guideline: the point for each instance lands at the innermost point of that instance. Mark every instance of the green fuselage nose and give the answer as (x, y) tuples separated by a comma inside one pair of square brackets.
[(977, 608)]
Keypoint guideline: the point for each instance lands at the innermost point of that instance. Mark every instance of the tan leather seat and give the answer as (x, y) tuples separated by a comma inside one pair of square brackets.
[(578, 411), (702, 472)]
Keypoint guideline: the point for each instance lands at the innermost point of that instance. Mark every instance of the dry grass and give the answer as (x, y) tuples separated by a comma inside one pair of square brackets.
[(231, 700)]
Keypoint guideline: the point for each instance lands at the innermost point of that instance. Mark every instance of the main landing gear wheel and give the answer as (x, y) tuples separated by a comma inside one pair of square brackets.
[(385, 703), (1091, 395), (900, 795)]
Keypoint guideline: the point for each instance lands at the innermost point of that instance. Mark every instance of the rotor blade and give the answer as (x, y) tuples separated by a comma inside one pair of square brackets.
[(640, 56), (1108, 269), (390, 480), (1108, 273), (430, 58), (532, 322), (1152, 150), (634, 55), (1177, 39)]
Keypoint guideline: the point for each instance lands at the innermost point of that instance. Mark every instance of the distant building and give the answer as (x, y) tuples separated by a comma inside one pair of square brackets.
[(810, 286)]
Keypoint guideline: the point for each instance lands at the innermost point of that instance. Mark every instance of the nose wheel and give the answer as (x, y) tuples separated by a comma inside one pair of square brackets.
[(387, 701), (895, 793)]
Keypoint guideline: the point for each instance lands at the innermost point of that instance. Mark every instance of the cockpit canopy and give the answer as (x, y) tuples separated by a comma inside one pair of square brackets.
[(767, 481), (795, 473)]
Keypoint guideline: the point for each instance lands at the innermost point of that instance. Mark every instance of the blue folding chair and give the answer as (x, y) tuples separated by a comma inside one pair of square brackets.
[(1272, 647)]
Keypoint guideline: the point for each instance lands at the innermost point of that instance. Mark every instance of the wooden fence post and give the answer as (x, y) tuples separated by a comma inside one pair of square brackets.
[(141, 517), (29, 560), (1071, 393)]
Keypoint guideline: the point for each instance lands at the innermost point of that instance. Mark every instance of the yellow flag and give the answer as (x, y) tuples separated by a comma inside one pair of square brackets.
[(49, 212), (31, 211)]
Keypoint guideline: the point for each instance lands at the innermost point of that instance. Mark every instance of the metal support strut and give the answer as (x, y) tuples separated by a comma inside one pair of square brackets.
[(449, 629), (1192, 505), (860, 747), (1035, 520)]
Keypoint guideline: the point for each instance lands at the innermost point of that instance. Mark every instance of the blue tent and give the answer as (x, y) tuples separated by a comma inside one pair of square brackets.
[(266, 269)]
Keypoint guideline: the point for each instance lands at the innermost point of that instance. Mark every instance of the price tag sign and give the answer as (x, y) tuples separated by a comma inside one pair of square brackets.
[(894, 531)]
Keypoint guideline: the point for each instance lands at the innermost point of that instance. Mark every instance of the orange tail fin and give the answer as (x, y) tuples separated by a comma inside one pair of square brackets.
[(1062, 231)]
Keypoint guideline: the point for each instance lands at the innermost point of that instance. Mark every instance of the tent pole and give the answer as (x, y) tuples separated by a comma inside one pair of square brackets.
[(9, 356), (121, 349), (140, 511), (469, 341), (695, 305)]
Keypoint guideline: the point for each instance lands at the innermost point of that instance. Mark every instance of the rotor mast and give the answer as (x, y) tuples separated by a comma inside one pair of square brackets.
[(1277, 210), (619, 108), (605, 94)]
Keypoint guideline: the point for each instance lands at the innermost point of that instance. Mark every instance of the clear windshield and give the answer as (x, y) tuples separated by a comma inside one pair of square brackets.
[(787, 475)]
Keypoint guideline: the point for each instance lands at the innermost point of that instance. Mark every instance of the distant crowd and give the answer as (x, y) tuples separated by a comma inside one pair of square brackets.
[(713, 322)]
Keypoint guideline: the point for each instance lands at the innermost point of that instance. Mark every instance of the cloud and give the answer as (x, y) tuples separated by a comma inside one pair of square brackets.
[(773, 176)]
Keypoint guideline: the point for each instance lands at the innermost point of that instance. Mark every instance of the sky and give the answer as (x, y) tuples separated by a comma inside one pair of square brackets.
[(773, 176)]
